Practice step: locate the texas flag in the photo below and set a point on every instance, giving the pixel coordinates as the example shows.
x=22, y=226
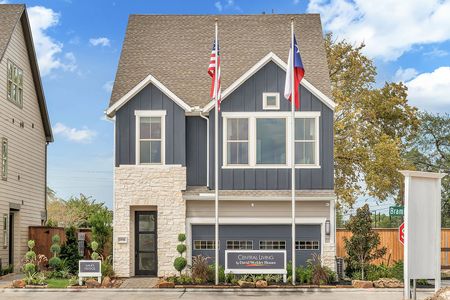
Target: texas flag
x=298, y=74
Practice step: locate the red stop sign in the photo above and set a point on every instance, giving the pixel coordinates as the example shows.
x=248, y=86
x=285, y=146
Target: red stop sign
x=401, y=233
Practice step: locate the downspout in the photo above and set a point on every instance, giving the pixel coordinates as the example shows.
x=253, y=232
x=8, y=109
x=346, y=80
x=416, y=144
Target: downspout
x=45, y=184
x=207, y=148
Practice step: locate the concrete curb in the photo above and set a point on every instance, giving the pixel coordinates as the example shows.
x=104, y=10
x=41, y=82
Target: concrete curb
x=216, y=290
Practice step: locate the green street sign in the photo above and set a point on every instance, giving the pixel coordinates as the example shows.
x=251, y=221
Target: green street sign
x=396, y=211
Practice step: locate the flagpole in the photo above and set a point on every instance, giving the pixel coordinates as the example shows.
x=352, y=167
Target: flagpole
x=293, y=148
x=216, y=159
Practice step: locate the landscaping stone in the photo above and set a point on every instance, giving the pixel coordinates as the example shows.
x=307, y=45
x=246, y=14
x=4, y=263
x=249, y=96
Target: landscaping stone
x=442, y=294
x=166, y=284
x=18, y=284
x=106, y=282
x=388, y=283
x=92, y=283
x=246, y=284
x=261, y=284
x=362, y=284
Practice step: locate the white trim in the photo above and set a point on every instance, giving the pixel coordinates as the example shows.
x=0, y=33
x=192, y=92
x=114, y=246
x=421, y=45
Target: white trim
x=271, y=107
x=270, y=57
x=252, y=118
x=151, y=113
x=210, y=196
x=408, y=173
x=149, y=79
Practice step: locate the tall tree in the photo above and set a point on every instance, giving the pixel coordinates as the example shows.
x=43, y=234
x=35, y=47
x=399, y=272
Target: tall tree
x=430, y=151
x=373, y=126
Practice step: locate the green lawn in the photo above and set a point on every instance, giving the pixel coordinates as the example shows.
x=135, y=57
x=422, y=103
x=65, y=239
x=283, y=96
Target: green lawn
x=58, y=283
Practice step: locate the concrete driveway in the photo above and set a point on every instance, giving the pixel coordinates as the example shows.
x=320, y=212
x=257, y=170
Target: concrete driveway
x=340, y=294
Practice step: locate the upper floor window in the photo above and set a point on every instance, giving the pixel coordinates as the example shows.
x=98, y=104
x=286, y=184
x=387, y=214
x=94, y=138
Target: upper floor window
x=14, y=84
x=150, y=137
x=237, y=141
x=4, y=159
x=262, y=139
x=271, y=101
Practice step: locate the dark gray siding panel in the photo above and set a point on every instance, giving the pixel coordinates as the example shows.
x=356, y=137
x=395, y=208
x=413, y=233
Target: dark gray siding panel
x=248, y=98
x=257, y=233
x=150, y=98
x=196, y=151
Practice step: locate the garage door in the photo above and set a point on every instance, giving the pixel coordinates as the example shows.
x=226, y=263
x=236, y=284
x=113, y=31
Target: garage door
x=308, y=240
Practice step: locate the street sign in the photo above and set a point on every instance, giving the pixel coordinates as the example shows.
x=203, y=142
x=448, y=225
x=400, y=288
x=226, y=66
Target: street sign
x=396, y=211
x=401, y=233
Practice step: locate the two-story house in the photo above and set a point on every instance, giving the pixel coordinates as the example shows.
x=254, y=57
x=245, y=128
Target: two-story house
x=164, y=141
x=25, y=132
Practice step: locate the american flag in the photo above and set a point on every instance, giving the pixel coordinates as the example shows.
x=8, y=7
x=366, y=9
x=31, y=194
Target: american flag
x=212, y=72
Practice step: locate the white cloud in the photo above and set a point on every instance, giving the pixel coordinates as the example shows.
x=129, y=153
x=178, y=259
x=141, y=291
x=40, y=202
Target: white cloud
x=84, y=135
x=389, y=28
x=405, y=74
x=48, y=50
x=431, y=91
x=108, y=86
x=218, y=5
x=101, y=41
x=436, y=52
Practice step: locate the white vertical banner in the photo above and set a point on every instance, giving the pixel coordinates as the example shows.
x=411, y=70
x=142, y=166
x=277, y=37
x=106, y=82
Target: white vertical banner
x=422, y=233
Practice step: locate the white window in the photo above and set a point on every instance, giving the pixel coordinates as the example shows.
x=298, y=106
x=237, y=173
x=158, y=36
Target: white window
x=15, y=84
x=150, y=137
x=237, y=141
x=272, y=245
x=307, y=245
x=4, y=159
x=262, y=139
x=204, y=245
x=240, y=245
x=5, y=230
x=271, y=101
x=306, y=141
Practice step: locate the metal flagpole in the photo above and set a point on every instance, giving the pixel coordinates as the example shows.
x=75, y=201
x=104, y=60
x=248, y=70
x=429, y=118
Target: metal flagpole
x=216, y=158
x=293, y=148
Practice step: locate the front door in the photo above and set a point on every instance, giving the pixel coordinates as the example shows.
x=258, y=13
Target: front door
x=11, y=239
x=145, y=243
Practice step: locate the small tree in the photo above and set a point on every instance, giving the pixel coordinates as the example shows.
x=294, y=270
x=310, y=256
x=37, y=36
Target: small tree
x=180, y=262
x=94, y=247
x=29, y=267
x=55, y=261
x=69, y=251
x=362, y=246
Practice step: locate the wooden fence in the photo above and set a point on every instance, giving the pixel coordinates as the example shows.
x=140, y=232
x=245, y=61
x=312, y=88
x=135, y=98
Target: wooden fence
x=42, y=236
x=389, y=239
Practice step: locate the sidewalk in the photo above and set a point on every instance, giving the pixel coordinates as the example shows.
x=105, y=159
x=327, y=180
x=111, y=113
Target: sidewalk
x=6, y=281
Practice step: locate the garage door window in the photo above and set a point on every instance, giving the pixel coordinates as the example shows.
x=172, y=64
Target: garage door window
x=204, y=245
x=272, y=245
x=307, y=245
x=240, y=245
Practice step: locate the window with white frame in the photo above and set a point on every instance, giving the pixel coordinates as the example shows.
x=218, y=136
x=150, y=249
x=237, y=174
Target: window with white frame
x=272, y=245
x=271, y=101
x=306, y=141
x=4, y=159
x=14, y=84
x=240, y=245
x=150, y=133
x=262, y=139
x=237, y=141
x=307, y=245
x=204, y=245
x=5, y=230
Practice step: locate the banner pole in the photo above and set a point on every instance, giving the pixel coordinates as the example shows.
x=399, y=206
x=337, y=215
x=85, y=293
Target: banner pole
x=293, y=150
x=216, y=159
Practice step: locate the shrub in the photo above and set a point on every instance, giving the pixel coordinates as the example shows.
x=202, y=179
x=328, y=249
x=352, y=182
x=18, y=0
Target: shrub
x=107, y=267
x=181, y=248
x=180, y=262
x=55, y=262
x=319, y=274
x=212, y=273
x=94, y=247
x=101, y=224
x=200, y=268
x=69, y=251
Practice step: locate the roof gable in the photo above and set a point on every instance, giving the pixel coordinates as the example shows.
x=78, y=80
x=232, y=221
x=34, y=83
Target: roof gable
x=176, y=50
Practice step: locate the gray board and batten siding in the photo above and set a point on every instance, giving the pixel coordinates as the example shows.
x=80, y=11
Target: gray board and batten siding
x=151, y=98
x=248, y=98
x=196, y=150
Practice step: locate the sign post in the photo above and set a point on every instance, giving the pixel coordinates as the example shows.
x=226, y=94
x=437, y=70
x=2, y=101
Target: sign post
x=422, y=228
x=89, y=268
x=256, y=262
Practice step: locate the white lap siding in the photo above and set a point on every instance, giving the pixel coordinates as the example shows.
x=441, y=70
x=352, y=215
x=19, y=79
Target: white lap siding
x=26, y=155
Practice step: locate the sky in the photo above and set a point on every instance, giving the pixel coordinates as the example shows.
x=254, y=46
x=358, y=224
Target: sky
x=78, y=44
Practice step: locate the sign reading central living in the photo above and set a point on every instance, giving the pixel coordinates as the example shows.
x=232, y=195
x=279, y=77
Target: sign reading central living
x=255, y=260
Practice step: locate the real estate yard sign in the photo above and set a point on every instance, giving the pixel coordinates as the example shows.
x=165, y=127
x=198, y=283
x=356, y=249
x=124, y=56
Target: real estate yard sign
x=422, y=229
x=256, y=262
x=89, y=268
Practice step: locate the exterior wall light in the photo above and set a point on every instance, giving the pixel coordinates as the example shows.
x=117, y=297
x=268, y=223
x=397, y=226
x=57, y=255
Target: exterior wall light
x=327, y=227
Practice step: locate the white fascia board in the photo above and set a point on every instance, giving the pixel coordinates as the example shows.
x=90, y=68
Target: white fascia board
x=408, y=173
x=149, y=79
x=271, y=57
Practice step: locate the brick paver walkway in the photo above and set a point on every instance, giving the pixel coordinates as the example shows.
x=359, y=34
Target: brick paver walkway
x=139, y=283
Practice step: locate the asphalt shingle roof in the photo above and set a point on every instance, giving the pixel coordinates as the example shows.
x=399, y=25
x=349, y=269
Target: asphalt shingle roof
x=9, y=16
x=175, y=49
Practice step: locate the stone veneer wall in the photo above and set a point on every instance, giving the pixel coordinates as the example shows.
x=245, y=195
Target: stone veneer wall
x=159, y=186
x=329, y=256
